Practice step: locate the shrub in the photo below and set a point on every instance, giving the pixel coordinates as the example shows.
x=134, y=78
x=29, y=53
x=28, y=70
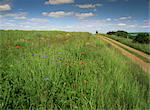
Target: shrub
x=111, y=33
x=122, y=34
x=142, y=38
x=132, y=35
x=119, y=33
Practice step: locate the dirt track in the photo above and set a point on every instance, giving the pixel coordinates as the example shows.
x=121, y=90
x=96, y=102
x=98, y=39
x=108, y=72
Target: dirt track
x=145, y=66
x=131, y=49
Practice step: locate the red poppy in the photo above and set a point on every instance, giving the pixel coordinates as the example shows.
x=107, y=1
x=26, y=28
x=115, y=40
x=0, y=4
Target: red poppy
x=82, y=53
x=82, y=63
x=18, y=47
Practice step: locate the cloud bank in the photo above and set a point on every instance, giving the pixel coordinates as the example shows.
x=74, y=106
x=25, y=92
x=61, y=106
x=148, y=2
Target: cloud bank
x=89, y=6
x=59, y=14
x=56, y=2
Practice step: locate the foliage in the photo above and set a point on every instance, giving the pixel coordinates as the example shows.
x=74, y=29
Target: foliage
x=142, y=38
x=111, y=33
x=142, y=47
x=119, y=33
x=122, y=34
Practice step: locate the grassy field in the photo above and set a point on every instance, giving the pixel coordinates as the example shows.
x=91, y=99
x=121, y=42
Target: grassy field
x=142, y=47
x=67, y=71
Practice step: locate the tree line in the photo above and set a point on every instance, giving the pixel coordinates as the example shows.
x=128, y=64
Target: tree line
x=137, y=37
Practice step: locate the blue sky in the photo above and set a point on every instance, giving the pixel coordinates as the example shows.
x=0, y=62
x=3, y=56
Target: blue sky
x=75, y=15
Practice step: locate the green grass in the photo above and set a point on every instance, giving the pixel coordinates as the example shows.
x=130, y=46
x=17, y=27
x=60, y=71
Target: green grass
x=68, y=71
x=142, y=47
x=141, y=57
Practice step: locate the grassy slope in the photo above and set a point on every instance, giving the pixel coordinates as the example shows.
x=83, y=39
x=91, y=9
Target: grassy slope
x=57, y=70
x=142, y=47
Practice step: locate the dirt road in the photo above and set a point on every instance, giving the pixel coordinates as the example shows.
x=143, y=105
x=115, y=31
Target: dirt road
x=145, y=66
x=130, y=49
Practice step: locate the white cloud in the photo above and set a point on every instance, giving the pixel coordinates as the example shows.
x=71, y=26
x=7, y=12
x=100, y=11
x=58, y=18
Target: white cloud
x=5, y=7
x=146, y=26
x=38, y=20
x=125, y=18
x=18, y=16
x=55, y=2
x=21, y=17
x=121, y=24
x=108, y=19
x=57, y=14
x=84, y=15
x=89, y=6
x=60, y=14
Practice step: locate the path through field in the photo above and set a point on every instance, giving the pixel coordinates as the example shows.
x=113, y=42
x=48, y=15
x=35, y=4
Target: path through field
x=144, y=65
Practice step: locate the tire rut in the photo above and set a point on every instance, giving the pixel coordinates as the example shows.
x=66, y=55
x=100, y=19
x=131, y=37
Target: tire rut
x=144, y=65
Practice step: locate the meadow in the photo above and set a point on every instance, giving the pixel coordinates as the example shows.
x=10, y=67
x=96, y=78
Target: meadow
x=55, y=70
x=129, y=42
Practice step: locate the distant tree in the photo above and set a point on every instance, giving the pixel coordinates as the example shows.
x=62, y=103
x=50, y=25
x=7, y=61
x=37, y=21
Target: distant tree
x=96, y=32
x=142, y=38
x=111, y=33
x=132, y=35
x=122, y=34
x=119, y=33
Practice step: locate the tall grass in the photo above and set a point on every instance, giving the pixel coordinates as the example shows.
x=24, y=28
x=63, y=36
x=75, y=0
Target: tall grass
x=142, y=47
x=75, y=71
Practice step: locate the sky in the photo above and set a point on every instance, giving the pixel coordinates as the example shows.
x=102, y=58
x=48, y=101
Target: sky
x=75, y=15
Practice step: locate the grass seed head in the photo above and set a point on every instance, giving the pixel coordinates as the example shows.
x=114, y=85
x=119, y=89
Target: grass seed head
x=18, y=47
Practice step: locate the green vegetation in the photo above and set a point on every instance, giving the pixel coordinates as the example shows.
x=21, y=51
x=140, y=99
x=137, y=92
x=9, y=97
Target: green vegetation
x=142, y=47
x=60, y=70
x=142, y=38
x=123, y=34
x=134, y=53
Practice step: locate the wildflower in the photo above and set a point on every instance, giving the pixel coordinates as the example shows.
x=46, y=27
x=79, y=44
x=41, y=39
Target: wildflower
x=60, y=59
x=34, y=55
x=46, y=78
x=18, y=47
x=45, y=57
x=82, y=63
x=82, y=53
